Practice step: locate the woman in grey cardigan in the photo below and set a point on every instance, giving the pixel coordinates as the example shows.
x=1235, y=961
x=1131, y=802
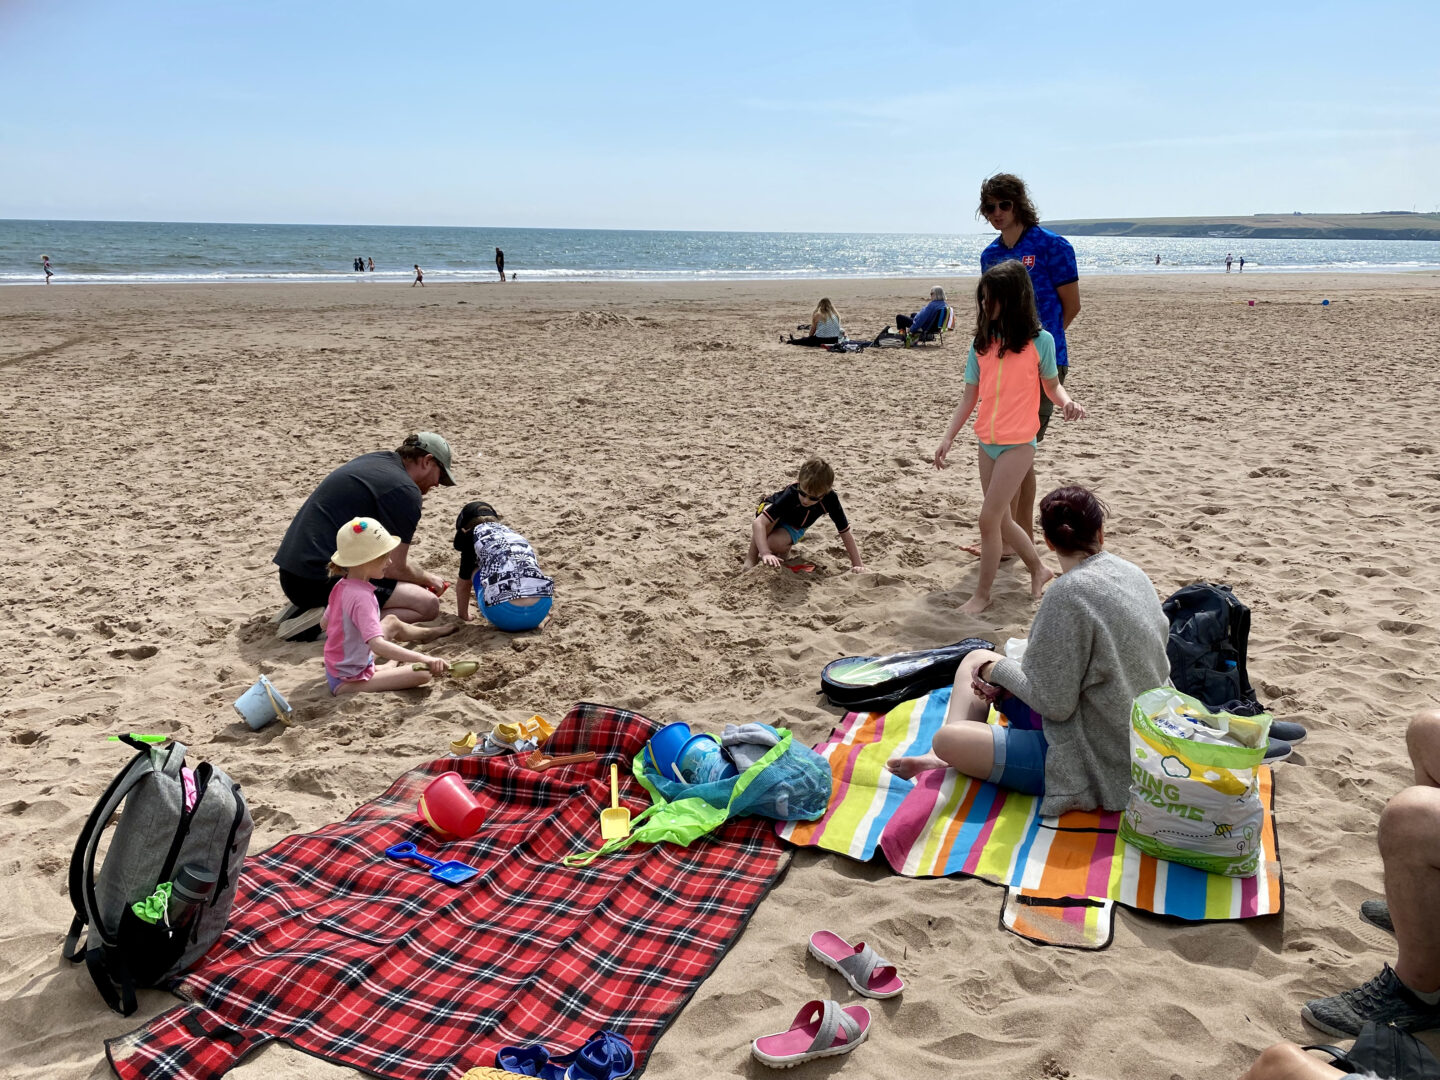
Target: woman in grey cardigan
x=1097, y=642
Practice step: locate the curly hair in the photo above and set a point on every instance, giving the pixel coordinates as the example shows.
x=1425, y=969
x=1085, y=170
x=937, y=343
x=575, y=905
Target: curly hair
x=1008, y=186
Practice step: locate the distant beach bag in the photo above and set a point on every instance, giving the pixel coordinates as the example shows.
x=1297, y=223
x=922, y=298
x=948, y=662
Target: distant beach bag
x=790, y=782
x=1194, y=791
x=167, y=883
x=1209, y=637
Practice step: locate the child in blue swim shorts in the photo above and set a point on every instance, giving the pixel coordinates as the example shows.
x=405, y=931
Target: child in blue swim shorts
x=499, y=567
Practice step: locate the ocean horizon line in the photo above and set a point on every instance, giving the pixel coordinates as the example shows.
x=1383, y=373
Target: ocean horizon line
x=108, y=252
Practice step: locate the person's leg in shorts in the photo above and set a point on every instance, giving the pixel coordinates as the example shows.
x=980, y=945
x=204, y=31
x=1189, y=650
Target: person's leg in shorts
x=1022, y=507
x=780, y=539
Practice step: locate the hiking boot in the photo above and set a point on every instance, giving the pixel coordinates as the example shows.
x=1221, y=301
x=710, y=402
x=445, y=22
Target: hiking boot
x=1384, y=999
x=302, y=627
x=1377, y=913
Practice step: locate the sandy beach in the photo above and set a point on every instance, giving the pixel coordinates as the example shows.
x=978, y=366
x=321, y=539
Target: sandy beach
x=157, y=440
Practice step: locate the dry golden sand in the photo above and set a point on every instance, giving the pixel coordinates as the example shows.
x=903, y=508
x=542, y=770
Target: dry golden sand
x=157, y=440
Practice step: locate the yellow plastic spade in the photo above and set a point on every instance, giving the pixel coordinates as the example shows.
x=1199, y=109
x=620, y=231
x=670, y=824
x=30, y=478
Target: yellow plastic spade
x=458, y=670
x=614, y=822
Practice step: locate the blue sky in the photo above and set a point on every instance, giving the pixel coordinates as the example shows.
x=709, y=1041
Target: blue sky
x=836, y=116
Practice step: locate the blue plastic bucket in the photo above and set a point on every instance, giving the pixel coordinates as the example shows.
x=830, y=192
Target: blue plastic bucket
x=663, y=749
x=701, y=761
x=262, y=705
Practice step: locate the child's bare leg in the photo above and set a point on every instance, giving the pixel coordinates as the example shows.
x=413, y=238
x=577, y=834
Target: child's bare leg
x=1006, y=552
x=388, y=676
x=1030, y=555
x=777, y=540
x=1000, y=478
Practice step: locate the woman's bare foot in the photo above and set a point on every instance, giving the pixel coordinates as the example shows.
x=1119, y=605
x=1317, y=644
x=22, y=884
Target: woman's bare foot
x=975, y=605
x=1039, y=580
x=421, y=634
x=907, y=767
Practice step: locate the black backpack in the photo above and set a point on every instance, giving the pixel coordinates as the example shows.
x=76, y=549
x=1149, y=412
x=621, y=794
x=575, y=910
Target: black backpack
x=185, y=829
x=1209, y=633
x=879, y=683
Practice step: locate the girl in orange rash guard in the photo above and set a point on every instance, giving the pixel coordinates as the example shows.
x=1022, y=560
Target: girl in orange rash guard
x=1010, y=360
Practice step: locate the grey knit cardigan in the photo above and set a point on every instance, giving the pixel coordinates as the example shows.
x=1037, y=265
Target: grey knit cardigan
x=1097, y=642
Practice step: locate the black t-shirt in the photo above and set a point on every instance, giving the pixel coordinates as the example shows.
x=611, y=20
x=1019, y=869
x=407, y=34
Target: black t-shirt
x=372, y=485
x=785, y=508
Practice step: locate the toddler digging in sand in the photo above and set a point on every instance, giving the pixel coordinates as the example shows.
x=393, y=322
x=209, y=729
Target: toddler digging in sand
x=354, y=631
x=499, y=566
x=781, y=520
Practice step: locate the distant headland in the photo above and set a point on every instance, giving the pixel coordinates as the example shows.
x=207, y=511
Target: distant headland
x=1390, y=225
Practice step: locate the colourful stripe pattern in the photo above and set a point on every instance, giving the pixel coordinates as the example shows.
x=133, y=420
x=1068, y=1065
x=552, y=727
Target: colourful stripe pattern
x=943, y=823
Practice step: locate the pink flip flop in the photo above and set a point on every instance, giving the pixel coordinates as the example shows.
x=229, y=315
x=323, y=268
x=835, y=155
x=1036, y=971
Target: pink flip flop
x=864, y=969
x=821, y=1029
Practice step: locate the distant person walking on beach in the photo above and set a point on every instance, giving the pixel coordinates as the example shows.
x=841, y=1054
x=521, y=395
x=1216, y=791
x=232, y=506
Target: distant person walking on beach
x=419, y=277
x=500, y=263
x=45, y=265
x=1242, y=264
x=1006, y=205
x=1227, y=262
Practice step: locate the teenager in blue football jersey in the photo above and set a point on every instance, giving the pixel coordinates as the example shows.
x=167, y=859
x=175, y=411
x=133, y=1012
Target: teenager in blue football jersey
x=1006, y=205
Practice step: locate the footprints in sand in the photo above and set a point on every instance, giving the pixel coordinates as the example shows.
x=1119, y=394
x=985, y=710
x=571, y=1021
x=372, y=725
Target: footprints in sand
x=135, y=652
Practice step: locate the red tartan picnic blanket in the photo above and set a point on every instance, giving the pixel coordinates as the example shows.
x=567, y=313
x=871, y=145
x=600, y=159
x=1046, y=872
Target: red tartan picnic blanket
x=374, y=964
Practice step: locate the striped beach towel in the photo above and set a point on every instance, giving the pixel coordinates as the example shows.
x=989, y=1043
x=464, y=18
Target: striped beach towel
x=1062, y=874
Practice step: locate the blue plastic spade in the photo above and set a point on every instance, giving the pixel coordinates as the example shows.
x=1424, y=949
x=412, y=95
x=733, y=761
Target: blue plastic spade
x=452, y=872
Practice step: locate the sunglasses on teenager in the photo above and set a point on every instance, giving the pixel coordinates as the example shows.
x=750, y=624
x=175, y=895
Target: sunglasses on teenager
x=989, y=208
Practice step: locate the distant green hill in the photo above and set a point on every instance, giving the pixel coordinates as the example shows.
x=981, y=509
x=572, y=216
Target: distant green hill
x=1397, y=225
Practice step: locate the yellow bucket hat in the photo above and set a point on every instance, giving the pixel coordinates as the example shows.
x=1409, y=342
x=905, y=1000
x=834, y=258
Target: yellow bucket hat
x=360, y=540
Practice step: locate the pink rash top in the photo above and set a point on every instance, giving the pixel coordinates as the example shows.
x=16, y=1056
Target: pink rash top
x=352, y=619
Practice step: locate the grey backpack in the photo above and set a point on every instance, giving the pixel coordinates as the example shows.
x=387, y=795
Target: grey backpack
x=164, y=891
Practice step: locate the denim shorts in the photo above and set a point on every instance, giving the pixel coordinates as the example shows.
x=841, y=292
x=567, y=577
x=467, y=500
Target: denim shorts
x=1019, y=752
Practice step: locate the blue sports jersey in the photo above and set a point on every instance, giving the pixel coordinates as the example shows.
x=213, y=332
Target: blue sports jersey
x=1051, y=262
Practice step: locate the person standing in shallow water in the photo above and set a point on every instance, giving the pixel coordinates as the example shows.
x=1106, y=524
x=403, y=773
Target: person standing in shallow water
x=500, y=263
x=1050, y=260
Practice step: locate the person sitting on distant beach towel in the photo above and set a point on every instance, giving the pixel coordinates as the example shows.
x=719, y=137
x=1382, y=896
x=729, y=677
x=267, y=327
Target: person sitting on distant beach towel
x=1097, y=641
x=500, y=567
x=825, y=328
x=781, y=520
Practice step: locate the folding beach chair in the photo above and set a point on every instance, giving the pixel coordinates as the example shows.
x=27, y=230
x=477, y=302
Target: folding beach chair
x=937, y=335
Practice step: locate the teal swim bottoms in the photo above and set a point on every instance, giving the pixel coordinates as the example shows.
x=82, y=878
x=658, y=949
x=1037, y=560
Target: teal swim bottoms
x=996, y=449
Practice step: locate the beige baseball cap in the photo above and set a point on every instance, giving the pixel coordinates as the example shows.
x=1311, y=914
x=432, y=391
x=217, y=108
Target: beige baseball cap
x=439, y=449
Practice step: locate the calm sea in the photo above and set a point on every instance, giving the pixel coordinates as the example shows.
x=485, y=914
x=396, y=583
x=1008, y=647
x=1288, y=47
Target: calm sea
x=164, y=252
